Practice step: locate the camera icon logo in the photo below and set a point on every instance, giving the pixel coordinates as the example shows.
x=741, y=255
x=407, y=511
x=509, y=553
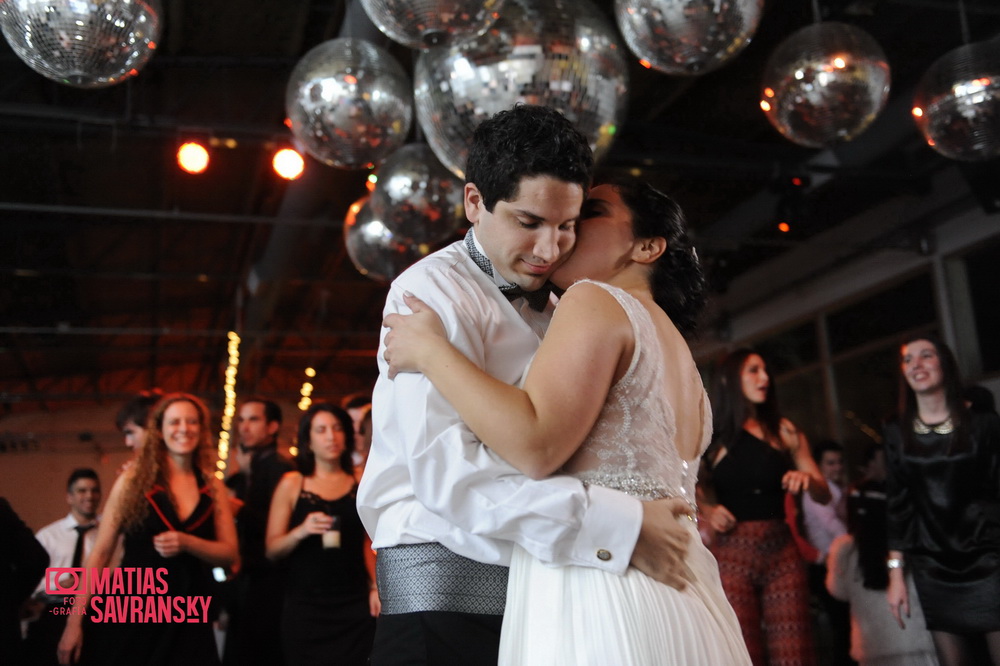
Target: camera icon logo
x=65, y=580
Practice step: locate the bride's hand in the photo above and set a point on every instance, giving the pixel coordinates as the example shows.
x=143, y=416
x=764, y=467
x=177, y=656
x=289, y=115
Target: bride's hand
x=412, y=339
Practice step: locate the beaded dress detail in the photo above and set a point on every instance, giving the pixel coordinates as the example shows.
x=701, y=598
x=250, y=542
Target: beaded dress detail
x=632, y=446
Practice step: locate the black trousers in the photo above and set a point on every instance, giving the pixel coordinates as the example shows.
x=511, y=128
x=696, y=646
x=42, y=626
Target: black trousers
x=437, y=638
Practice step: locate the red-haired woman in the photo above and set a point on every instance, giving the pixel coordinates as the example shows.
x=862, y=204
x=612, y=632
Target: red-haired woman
x=172, y=514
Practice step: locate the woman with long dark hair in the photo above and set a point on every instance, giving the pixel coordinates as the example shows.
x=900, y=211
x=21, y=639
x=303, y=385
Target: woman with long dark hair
x=173, y=514
x=614, y=399
x=755, y=458
x=944, y=506
x=330, y=596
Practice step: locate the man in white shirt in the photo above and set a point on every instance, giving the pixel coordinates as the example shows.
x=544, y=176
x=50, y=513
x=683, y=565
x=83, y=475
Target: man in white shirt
x=443, y=511
x=823, y=525
x=68, y=541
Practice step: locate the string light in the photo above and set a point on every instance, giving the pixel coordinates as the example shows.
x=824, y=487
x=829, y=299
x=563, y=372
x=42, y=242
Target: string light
x=306, y=390
x=229, y=409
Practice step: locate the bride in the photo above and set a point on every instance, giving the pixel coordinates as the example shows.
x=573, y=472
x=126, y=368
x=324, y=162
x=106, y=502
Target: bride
x=613, y=398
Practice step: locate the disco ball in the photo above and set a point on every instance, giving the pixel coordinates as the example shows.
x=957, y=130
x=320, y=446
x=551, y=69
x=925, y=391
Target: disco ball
x=687, y=37
x=957, y=103
x=350, y=103
x=375, y=251
x=82, y=43
x=421, y=24
x=416, y=197
x=825, y=84
x=557, y=53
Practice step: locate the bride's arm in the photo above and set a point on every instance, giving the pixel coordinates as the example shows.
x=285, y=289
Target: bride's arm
x=538, y=428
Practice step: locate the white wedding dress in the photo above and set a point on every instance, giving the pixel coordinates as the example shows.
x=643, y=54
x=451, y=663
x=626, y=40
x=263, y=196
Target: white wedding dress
x=577, y=616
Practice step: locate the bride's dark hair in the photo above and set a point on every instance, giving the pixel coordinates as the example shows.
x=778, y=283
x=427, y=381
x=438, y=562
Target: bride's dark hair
x=677, y=281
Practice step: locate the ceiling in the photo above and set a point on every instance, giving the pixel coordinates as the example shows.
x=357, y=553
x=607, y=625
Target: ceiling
x=118, y=272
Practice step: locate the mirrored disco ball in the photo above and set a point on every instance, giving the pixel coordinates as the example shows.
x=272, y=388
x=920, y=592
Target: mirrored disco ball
x=83, y=43
x=957, y=103
x=421, y=24
x=558, y=53
x=375, y=251
x=825, y=84
x=350, y=103
x=687, y=37
x=416, y=197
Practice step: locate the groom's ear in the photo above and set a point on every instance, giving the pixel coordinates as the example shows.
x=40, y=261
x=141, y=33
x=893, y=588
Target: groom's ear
x=473, y=201
x=648, y=250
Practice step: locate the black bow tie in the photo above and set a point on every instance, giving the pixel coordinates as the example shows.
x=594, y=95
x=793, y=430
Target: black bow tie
x=537, y=300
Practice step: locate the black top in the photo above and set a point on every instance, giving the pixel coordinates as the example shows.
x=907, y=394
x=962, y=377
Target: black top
x=315, y=572
x=943, y=496
x=186, y=574
x=747, y=480
x=266, y=469
x=190, y=643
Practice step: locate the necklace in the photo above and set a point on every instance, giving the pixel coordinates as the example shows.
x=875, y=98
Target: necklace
x=921, y=428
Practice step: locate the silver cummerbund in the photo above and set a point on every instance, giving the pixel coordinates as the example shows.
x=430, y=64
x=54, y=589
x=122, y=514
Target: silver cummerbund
x=429, y=577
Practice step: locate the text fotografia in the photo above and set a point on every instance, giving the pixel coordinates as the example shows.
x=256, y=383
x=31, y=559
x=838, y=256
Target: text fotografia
x=125, y=594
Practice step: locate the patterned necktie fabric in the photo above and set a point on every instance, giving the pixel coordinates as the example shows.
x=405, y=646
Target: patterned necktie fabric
x=536, y=299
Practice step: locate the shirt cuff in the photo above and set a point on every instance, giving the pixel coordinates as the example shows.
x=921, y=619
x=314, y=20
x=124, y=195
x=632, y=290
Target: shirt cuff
x=609, y=531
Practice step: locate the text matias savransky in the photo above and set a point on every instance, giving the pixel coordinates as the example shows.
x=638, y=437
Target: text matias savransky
x=124, y=594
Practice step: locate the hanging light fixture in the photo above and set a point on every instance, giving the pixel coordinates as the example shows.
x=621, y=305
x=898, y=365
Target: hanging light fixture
x=421, y=24
x=825, y=84
x=687, y=37
x=350, y=103
x=83, y=44
x=957, y=103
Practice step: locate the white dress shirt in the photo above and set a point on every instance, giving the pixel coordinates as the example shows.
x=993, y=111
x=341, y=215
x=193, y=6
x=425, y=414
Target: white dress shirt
x=821, y=521
x=59, y=540
x=428, y=479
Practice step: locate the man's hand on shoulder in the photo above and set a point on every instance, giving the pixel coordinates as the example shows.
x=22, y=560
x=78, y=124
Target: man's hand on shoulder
x=662, y=548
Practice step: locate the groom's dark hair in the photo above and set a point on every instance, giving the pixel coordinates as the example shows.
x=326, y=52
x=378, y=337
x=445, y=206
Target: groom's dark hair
x=526, y=141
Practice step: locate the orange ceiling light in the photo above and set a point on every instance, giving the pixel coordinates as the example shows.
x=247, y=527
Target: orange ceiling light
x=288, y=163
x=192, y=157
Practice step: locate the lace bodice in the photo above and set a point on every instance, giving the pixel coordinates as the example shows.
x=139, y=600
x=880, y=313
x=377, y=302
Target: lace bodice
x=632, y=446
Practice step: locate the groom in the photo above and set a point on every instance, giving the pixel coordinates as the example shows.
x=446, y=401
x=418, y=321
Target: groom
x=443, y=511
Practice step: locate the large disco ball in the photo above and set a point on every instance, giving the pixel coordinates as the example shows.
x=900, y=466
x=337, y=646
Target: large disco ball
x=687, y=37
x=83, y=43
x=421, y=24
x=825, y=84
x=558, y=53
x=375, y=251
x=957, y=103
x=350, y=103
x=416, y=197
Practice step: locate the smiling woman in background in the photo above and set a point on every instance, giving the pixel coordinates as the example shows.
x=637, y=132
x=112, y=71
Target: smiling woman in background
x=165, y=506
x=944, y=507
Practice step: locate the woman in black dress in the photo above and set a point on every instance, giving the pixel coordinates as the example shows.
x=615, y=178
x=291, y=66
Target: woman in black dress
x=944, y=507
x=330, y=596
x=173, y=515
